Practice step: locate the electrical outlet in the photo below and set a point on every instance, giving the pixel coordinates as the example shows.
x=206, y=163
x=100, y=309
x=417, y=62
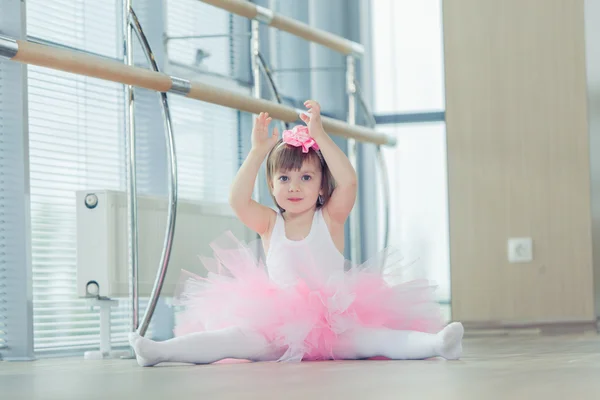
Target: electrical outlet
x=520, y=250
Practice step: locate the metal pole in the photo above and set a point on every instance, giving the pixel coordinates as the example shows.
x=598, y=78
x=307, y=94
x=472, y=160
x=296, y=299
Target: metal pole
x=354, y=220
x=131, y=166
x=265, y=68
x=254, y=57
x=382, y=167
x=255, y=50
x=179, y=87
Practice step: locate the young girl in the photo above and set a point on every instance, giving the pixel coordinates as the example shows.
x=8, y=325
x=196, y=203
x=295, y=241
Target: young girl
x=307, y=303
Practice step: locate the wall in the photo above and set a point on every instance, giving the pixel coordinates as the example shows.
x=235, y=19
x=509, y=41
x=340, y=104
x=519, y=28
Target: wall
x=592, y=40
x=518, y=160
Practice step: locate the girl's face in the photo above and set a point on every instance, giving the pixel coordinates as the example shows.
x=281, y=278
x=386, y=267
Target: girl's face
x=298, y=191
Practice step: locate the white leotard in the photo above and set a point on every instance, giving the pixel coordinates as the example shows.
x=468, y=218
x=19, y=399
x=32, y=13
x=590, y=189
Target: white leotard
x=289, y=259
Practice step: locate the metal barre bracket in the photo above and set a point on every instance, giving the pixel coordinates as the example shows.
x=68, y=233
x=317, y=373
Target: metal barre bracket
x=8, y=47
x=264, y=15
x=180, y=86
x=358, y=50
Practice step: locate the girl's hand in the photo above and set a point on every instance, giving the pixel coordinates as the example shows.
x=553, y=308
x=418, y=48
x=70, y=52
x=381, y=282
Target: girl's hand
x=315, y=126
x=260, y=134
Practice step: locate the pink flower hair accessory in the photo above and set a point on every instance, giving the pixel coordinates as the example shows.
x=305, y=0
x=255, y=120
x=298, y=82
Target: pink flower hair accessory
x=300, y=137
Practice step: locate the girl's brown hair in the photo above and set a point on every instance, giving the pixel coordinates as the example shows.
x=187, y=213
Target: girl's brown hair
x=284, y=157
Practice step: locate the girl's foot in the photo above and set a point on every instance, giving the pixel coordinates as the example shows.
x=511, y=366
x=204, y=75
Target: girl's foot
x=146, y=351
x=450, y=346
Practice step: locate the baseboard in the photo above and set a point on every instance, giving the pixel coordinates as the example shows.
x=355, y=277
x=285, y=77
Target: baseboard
x=550, y=328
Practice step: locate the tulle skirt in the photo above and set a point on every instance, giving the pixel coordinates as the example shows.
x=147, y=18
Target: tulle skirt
x=308, y=317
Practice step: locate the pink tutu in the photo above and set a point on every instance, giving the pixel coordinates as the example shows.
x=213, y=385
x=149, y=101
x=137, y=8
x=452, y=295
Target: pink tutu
x=307, y=317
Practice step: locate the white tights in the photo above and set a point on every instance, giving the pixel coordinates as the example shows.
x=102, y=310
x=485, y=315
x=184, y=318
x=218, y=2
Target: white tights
x=209, y=347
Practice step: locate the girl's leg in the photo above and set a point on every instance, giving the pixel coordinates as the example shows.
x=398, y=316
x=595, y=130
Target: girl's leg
x=203, y=347
x=402, y=345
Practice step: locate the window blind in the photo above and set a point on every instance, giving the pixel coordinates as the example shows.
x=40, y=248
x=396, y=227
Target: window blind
x=76, y=142
x=85, y=25
x=290, y=56
x=3, y=229
x=207, y=149
x=206, y=135
x=194, y=18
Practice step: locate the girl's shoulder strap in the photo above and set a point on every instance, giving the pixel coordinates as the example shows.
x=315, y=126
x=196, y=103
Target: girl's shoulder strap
x=319, y=223
x=278, y=227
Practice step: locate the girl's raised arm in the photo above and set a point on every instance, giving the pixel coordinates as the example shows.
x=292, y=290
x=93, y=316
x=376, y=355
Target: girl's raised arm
x=255, y=216
x=342, y=200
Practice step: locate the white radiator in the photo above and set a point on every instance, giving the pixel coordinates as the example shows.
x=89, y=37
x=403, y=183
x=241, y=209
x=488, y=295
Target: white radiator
x=102, y=245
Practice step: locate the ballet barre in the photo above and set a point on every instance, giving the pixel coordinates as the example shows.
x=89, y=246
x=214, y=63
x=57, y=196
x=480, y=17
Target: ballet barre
x=26, y=52
x=252, y=11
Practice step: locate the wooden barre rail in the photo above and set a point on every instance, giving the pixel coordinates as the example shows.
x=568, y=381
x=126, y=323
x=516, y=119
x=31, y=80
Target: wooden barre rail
x=252, y=11
x=112, y=70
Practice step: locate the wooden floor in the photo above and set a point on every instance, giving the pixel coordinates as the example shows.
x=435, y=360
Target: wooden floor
x=509, y=367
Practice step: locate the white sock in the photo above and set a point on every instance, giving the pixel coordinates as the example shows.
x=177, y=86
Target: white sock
x=451, y=341
x=403, y=345
x=202, y=347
